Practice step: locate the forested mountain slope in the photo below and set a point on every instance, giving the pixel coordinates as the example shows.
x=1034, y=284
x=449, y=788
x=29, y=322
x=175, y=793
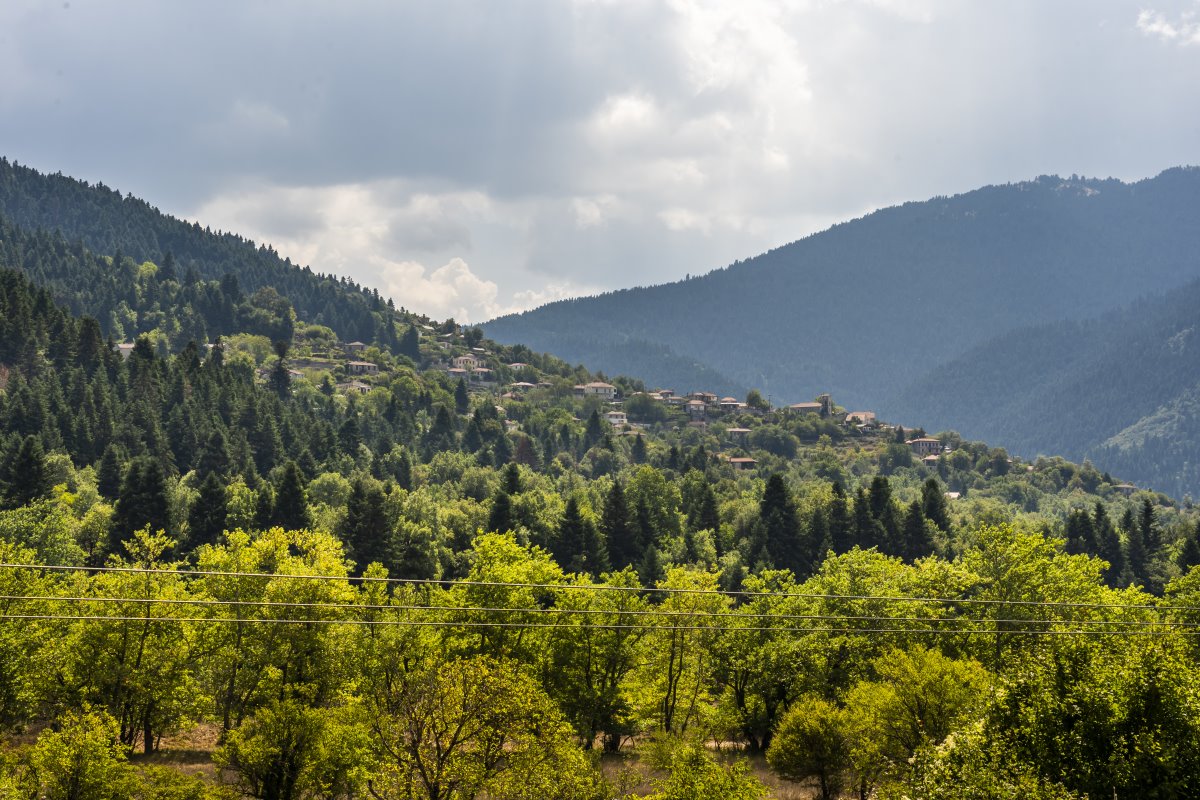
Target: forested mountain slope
x=861, y=308
x=107, y=223
x=1122, y=389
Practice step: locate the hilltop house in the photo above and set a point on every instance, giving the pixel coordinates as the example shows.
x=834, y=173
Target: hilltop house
x=616, y=418
x=925, y=446
x=362, y=368
x=353, y=347
x=864, y=418
x=605, y=391
x=467, y=362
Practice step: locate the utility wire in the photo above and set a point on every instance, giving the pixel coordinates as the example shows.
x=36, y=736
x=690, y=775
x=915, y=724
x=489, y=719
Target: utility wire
x=526, y=625
x=607, y=587
x=646, y=612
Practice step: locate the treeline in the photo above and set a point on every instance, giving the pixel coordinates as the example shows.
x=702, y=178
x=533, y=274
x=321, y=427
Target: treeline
x=1026, y=676
x=1119, y=389
x=99, y=219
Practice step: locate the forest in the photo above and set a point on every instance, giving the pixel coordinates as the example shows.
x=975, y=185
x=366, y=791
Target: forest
x=231, y=567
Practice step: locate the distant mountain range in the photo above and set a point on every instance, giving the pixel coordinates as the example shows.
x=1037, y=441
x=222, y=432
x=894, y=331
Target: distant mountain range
x=952, y=312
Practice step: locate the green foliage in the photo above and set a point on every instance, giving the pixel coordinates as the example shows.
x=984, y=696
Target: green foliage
x=813, y=741
x=694, y=774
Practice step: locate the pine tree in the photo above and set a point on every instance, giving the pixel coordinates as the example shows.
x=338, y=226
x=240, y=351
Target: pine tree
x=639, y=450
x=1189, y=555
x=410, y=344
x=512, y=479
x=462, y=400
x=841, y=524
x=1108, y=544
x=207, y=517
x=365, y=529
x=933, y=505
x=1148, y=522
x=780, y=527
x=917, y=541
x=500, y=517
x=619, y=531
x=23, y=476
x=280, y=381
x=108, y=474
x=291, y=507
x=142, y=501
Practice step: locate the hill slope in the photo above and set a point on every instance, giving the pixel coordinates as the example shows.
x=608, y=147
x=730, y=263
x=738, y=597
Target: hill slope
x=862, y=307
x=1122, y=389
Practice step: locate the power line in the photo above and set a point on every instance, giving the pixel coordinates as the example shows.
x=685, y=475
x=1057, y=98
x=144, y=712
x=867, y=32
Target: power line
x=645, y=612
x=608, y=587
x=708, y=628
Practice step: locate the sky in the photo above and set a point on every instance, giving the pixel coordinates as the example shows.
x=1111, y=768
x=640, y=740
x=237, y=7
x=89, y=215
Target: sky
x=473, y=159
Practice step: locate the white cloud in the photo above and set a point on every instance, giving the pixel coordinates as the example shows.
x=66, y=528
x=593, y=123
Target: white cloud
x=1183, y=31
x=571, y=146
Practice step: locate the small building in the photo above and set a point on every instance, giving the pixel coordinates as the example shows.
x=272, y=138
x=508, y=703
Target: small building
x=466, y=362
x=362, y=368
x=741, y=464
x=806, y=408
x=605, y=391
x=353, y=347
x=125, y=349
x=518, y=365
x=457, y=372
x=1126, y=489
x=863, y=418
x=739, y=435
x=930, y=460
x=522, y=386
x=481, y=375
x=708, y=398
x=925, y=446
x=616, y=418
x=730, y=404
x=695, y=408
x=354, y=386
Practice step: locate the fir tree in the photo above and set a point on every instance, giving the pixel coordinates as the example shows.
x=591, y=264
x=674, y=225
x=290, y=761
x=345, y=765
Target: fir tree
x=619, y=531
x=291, y=507
x=780, y=528
x=365, y=529
x=500, y=517
x=23, y=476
x=207, y=517
x=841, y=524
x=108, y=474
x=142, y=501
x=917, y=541
x=933, y=505
x=462, y=401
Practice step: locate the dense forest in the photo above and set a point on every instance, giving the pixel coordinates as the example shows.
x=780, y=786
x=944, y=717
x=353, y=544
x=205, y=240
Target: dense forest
x=246, y=556
x=1120, y=389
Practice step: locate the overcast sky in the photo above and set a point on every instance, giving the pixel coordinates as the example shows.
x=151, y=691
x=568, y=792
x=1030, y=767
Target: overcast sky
x=474, y=158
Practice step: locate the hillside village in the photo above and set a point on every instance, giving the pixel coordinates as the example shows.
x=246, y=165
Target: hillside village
x=740, y=432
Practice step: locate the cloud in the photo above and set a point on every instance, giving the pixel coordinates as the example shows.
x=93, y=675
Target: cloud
x=1184, y=31
x=558, y=146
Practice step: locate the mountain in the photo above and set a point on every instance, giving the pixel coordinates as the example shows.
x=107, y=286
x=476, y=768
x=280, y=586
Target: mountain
x=103, y=221
x=1122, y=389
x=862, y=308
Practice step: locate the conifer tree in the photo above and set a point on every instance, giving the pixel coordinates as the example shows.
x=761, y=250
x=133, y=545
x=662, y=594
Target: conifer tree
x=142, y=501
x=841, y=524
x=462, y=400
x=780, y=528
x=933, y=505
x=365, y=529
x=108, y=474
x=500, y=517
x=619, y=530
x=1108, y=544
x=291, y=506
x=23, y=476
x=917, y=541
x=207, y=517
